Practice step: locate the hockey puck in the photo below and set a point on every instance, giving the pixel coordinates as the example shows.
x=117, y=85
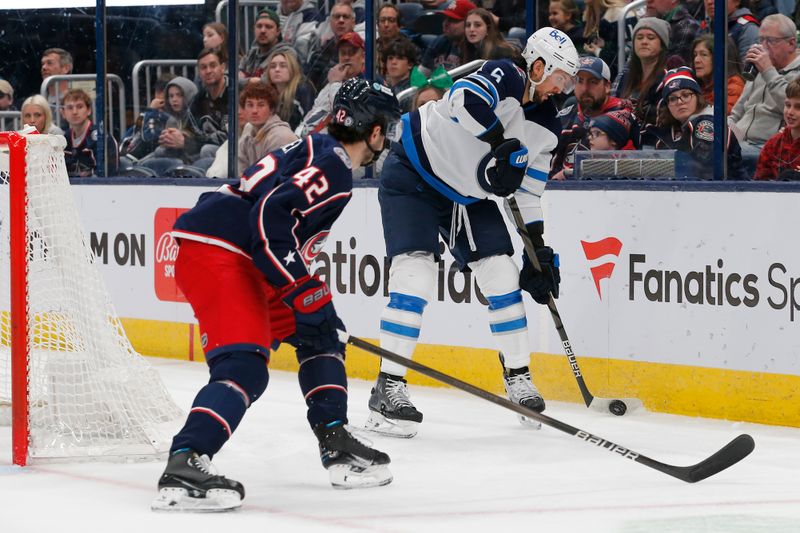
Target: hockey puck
x=617, y=407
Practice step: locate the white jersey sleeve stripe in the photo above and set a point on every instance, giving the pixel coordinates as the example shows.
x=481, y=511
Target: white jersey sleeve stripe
x=488, y=85
x=469, y=85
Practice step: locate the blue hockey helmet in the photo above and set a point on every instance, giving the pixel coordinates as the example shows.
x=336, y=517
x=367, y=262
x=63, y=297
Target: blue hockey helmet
x=361, y=104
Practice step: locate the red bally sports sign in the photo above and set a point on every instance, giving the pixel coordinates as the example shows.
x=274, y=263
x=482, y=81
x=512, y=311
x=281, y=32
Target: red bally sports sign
x=165, y=253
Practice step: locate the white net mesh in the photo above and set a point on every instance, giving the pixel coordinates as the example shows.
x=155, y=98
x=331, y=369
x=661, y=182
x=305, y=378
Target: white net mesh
x=91, y=394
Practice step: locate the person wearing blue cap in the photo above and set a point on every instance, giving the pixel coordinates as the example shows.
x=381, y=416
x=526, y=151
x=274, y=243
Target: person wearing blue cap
x=592, y=99
x=686, y=123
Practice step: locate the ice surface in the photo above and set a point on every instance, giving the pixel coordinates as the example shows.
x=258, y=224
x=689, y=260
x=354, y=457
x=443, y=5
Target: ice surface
x=471, y=468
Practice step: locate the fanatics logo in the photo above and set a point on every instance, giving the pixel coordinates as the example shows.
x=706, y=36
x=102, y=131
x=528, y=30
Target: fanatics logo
x=596, y=250
x=165, y=253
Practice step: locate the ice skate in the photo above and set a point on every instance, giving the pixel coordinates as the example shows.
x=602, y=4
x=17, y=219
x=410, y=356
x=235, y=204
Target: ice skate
x=191, y=483
x=391, y=412
x=350, y=462
x=520, y=389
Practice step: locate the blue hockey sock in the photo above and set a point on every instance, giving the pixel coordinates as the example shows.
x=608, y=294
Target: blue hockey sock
x=237, y=379
x=324, y=385
x=215, y=414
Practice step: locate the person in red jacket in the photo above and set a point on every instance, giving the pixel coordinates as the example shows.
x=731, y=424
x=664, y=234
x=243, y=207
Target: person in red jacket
x=780, y=158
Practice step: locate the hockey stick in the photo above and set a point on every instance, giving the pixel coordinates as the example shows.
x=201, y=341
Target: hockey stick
x=729, y=455
x=617, y=406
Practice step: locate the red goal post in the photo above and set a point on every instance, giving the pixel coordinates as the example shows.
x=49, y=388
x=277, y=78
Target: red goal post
x=75, y=387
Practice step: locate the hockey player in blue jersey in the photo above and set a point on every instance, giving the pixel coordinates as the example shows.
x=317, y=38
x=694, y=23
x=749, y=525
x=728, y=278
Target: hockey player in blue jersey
x=243, y=265
x=491, y=135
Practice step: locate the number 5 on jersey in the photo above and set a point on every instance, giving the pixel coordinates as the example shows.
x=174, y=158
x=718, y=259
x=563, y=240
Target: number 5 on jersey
x=312, y=182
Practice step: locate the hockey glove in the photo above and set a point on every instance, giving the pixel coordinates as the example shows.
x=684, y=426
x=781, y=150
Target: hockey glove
x=316, y=322
x=540, y=285
x=511, y=162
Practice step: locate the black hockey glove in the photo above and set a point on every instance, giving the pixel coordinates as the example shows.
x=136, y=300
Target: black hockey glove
x=540, y=285
x=511, y=161
x=316, y=322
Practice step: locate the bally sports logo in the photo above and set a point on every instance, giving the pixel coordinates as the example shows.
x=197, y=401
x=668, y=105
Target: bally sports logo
x=165, y=253
x=597, y=253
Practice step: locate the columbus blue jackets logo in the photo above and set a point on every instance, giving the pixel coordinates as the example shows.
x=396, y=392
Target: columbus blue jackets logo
x=705, y=130
x=313, y=247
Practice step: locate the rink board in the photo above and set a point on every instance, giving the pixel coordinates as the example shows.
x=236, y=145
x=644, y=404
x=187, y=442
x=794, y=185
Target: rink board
x=687, y=300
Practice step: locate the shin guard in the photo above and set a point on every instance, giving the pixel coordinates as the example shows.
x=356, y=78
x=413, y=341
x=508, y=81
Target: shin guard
x=323, y=382
x=498, y=278
x=237, y=380
x=411, y=283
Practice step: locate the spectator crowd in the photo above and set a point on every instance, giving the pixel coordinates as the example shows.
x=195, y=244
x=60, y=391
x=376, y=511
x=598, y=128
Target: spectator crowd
x=655, y=94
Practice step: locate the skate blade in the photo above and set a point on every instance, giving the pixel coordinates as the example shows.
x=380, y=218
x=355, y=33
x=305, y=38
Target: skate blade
x=343, y=477
x=178, y=499
x=529, y=422
x=390, y=427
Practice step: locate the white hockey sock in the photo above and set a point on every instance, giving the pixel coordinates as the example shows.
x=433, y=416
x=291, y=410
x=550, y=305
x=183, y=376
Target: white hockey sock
x=400, y=324
x=509, y=327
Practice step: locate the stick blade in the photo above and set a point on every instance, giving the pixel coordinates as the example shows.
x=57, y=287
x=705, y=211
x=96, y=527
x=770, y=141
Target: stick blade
x=729, y=455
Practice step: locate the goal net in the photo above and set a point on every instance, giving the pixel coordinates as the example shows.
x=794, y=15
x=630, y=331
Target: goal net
x=80, y=390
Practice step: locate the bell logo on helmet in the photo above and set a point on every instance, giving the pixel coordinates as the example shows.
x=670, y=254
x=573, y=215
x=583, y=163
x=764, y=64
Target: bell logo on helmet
x=558, y=36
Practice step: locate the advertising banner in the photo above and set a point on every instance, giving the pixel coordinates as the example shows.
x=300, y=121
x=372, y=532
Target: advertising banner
x=690, y=278
x=694, y=278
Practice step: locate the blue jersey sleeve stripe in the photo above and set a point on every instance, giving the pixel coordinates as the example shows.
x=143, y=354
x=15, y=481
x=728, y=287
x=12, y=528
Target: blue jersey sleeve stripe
x=511, y=325
x=406, y=302
x=536, y=174
x=489, y=85
x=504, y=300
x=471, y=86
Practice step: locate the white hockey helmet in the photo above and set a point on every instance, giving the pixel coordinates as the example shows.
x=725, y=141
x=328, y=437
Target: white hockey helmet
x=553, y=47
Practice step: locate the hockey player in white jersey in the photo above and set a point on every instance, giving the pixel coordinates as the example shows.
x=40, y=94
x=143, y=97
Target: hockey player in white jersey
x=492, y=134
